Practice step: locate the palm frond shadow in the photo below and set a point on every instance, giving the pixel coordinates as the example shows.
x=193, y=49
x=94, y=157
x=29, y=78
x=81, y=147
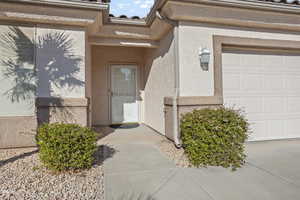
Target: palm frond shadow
x=57, y=67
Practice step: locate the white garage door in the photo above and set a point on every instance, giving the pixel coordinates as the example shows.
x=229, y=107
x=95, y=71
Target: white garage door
x=267, y=87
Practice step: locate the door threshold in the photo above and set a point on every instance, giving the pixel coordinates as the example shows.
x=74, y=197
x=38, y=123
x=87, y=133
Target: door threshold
x=125, y=125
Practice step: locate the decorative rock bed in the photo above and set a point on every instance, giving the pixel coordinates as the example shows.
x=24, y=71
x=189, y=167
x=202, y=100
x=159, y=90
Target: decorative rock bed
x=23, y=177
x=176, y=155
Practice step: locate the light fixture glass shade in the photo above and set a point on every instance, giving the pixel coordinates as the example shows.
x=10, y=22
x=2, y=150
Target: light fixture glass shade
x=204, y=55
x=205, y=58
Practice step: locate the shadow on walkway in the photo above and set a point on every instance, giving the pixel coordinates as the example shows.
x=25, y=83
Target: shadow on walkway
x=135, y=197
x=103, y=153
x=104, y=131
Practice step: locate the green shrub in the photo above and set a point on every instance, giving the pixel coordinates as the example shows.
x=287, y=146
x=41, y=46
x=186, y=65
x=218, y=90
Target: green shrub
x=215, y=137
x=66, y=146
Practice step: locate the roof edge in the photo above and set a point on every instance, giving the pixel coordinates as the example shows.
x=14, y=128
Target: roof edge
x=158, y=4
x=253, y=4
x=64, y=3
x=145, y=22
x=127, y=21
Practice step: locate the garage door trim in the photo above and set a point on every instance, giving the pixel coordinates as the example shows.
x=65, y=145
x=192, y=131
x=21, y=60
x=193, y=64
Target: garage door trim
x=221, y=42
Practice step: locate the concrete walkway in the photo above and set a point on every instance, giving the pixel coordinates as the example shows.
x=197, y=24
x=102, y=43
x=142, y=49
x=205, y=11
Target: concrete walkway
x=136, y=168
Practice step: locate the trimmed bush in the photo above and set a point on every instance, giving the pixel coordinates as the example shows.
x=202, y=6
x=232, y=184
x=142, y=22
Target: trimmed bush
x=215, y=137
x=66, y=146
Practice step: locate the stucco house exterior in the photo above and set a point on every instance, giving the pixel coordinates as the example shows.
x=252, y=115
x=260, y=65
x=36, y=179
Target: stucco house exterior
x=70, y=61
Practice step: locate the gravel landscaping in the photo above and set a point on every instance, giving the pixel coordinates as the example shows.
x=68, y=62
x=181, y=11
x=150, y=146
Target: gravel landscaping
x=176, y=155
x=23, y=177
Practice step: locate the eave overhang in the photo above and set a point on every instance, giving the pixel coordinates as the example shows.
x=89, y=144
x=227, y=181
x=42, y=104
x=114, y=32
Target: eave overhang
x=105, y=30
x=101, y=29
x=248, y=13
x=74, y=13
x=63, y=3
x=139, y=35
x=247, y=4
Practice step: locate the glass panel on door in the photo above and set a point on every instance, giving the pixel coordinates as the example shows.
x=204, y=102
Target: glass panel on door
x=124, y=106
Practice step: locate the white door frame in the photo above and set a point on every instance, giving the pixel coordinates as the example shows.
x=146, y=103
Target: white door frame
x=138, y=86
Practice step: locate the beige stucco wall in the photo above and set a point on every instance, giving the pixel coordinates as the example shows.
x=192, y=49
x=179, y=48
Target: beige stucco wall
x=193, y=80
x=102, y=58
x=60, y=65
x=159, y=81
x=17, y=131
x=16, y=70
x=38, y=61
x=17, y=110
x=60, y=62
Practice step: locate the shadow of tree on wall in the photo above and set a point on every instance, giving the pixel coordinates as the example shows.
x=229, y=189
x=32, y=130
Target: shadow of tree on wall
x=19, y=49
x=57, y=66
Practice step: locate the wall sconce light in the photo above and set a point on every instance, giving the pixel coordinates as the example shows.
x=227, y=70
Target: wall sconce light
x=204, y=56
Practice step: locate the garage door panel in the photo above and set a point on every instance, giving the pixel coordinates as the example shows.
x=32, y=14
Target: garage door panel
x=233, y=102
x=252, y=81
x=252, y=104
x=292, y=127
x=270, y=117
x=274, y=61
x=256, y=61
x=293, y=104
x=275, y=128
x=291, y=62
x=274, y=102
x=292, y=83
x=232, y=82
x=257, y=127
x=268, y=91
x=274, y=82
x=236, y=81
x=231, y=60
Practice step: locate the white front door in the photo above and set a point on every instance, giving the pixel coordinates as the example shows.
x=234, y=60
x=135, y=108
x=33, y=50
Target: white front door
x=124, y=104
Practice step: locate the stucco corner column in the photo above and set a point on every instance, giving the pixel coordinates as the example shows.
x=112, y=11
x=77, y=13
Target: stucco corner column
x=185, y=105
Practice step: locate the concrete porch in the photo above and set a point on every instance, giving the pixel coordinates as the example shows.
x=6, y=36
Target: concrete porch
x=137, y=168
